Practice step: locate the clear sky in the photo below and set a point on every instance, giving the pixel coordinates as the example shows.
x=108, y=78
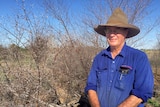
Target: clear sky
x=7, y=8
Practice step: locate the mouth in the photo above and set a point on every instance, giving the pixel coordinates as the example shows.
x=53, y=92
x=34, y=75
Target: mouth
x=111, y=39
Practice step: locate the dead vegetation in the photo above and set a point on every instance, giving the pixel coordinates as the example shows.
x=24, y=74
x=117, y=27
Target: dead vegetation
x=54, y=79
x=44, y=78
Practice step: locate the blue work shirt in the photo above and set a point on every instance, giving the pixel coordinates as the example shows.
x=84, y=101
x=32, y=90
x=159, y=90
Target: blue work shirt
x=111, y=86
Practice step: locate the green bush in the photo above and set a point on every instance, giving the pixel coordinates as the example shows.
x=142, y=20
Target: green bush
x=153, y=102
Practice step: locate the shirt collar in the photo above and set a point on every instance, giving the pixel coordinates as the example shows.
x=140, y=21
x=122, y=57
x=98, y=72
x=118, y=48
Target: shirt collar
x=107, y=52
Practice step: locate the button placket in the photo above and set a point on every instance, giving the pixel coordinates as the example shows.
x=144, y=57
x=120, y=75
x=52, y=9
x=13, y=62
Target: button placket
x=111, y=74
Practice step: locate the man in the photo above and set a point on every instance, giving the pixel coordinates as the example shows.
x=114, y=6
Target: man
x=120, y=76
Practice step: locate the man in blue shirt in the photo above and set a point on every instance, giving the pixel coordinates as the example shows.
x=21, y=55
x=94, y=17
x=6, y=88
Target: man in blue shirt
x=120, y=76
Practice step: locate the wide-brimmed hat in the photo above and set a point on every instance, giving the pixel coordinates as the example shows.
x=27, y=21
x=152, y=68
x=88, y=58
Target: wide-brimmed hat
x=118, y=19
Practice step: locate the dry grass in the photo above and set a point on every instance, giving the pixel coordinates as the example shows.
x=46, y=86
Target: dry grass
x=58, y=76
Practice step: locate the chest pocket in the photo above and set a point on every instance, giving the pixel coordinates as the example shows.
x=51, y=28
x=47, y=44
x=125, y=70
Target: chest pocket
x=102, y=77
x=124, y=81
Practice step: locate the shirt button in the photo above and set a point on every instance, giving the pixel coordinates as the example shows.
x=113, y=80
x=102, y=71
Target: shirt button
x=113, y=62
x=110, y=80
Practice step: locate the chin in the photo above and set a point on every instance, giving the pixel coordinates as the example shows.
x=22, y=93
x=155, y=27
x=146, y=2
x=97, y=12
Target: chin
x=113, y=44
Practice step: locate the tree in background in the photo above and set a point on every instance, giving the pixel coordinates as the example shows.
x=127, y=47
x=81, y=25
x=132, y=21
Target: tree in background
x=138, y=14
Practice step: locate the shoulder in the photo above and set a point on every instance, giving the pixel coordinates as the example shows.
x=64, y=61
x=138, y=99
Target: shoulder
x=135, y=51
x=101, y=53
x=136, y=55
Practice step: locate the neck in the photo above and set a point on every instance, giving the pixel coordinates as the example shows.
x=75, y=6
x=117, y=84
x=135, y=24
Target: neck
x=116, y=50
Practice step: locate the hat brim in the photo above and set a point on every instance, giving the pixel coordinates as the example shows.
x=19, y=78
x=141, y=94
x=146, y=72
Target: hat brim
x=132, y=30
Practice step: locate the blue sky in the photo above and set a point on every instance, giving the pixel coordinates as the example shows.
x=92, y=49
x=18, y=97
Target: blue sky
x=7, y=9
x=152, y=37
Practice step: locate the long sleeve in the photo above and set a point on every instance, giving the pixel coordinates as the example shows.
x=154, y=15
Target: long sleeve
x=143, y=86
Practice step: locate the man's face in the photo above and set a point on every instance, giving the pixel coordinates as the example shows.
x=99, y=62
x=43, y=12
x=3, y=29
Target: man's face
x=116, y=36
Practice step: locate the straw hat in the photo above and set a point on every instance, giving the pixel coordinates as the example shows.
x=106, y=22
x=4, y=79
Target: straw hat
x=118, y=19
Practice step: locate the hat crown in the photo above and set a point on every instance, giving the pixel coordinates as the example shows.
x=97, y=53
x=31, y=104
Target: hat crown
x=118, y=19
x=118, y=16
